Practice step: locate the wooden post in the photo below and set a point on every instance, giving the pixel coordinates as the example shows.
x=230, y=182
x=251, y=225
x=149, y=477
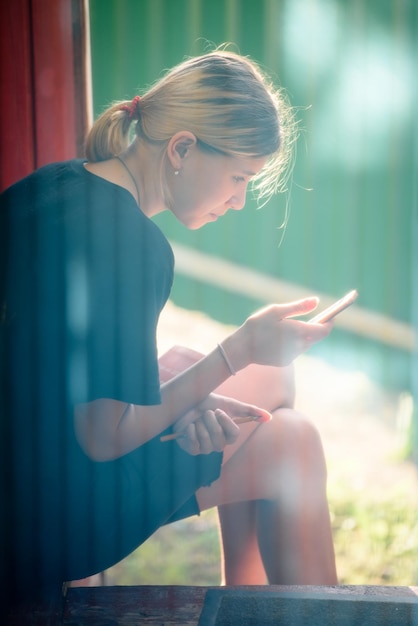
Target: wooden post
x=45, y=104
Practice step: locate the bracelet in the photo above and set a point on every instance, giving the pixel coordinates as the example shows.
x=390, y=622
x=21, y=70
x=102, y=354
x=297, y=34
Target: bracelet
x=226, y=359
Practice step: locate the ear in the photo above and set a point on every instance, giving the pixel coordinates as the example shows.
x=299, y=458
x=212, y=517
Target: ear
x=179, y=147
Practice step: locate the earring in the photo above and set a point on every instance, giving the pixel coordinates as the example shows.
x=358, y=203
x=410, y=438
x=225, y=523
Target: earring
x=176, y=173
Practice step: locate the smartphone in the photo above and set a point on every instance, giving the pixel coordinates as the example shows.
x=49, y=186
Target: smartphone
x=333, y=310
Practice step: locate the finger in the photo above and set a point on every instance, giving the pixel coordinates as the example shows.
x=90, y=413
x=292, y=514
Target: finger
x=214, y=429
x=188, y=418
x=204, y=438
x=189, y=441
x=240, y=409
x=299, y=307
x=261, y=414
x=316, y=332
x=230, y=430
x=326, y=327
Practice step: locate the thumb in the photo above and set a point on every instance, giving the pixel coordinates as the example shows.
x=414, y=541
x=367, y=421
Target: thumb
x=299, y=307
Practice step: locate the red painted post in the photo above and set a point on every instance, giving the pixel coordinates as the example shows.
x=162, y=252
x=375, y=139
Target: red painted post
x=44, y=107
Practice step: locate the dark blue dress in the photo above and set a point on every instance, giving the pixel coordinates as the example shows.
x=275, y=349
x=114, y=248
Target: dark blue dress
x=84, y=276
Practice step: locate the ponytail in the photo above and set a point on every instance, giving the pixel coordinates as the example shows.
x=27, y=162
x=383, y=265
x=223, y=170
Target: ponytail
x=109, y=135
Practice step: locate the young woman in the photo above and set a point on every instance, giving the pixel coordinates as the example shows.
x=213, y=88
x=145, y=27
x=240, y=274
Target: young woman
x=85, y=273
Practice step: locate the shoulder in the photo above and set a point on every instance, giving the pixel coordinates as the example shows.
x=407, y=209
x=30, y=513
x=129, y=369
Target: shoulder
x=48, y=172
x=42, y=185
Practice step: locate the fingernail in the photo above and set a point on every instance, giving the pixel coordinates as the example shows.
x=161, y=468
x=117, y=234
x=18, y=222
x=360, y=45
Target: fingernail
x=263, y=418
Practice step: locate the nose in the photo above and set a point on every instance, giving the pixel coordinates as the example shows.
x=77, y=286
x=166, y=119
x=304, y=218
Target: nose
x=237, y=202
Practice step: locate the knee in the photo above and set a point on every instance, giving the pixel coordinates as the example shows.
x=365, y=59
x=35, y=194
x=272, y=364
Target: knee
x=294, y=426
x=295, y=447
x=303, y=431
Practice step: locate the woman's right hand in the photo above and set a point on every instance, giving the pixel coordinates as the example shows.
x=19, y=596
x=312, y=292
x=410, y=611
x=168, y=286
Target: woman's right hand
x=271, y=337
x=210, y=425
x=210, y=431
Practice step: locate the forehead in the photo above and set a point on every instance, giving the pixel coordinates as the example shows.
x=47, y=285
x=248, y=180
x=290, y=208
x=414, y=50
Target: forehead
x=249, y=166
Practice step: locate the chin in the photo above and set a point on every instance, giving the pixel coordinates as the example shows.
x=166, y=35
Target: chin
x=194, y=224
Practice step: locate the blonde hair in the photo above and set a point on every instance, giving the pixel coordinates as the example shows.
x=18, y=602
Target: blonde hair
x=224, y=99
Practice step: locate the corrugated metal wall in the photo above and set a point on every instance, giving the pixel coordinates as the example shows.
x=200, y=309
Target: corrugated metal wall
x=349, y=67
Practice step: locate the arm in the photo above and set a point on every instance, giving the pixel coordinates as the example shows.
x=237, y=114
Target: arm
x=108, y=429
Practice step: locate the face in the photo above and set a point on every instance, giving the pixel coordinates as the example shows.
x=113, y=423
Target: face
x=208, y=185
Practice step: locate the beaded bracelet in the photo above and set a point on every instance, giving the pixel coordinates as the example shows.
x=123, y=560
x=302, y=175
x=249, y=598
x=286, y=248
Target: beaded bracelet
x=226, y=359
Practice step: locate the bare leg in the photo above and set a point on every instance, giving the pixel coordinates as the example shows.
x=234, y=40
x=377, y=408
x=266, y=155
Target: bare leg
x=241, y=558
x=294, y=529
x=272, y=492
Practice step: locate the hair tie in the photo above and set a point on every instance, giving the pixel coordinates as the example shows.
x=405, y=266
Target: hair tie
x=132, y=109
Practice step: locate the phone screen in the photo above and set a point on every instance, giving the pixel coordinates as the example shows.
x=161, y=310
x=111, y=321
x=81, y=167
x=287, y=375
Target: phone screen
x=333, y=310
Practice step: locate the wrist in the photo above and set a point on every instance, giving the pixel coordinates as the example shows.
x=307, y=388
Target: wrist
x=225, y=357
x=235, y=348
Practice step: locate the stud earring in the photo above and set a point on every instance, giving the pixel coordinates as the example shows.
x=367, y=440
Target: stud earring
x=176, y=173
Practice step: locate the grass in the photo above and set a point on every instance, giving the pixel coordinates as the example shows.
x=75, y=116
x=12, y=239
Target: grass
x=183, y=553
x=376, y=543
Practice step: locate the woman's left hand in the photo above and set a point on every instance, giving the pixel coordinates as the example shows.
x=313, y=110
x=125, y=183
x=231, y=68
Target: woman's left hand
x=210, y=426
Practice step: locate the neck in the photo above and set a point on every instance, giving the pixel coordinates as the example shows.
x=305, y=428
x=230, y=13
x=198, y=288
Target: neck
x=143, y=166
x=131, y=176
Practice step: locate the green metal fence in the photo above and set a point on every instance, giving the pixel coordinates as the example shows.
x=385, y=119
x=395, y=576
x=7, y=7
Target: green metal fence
x=349, y=67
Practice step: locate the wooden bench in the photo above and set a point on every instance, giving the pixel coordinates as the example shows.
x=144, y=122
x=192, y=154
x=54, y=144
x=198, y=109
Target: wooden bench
x=169, y=605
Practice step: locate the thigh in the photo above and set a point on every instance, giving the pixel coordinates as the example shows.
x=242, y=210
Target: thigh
x=270, y=388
